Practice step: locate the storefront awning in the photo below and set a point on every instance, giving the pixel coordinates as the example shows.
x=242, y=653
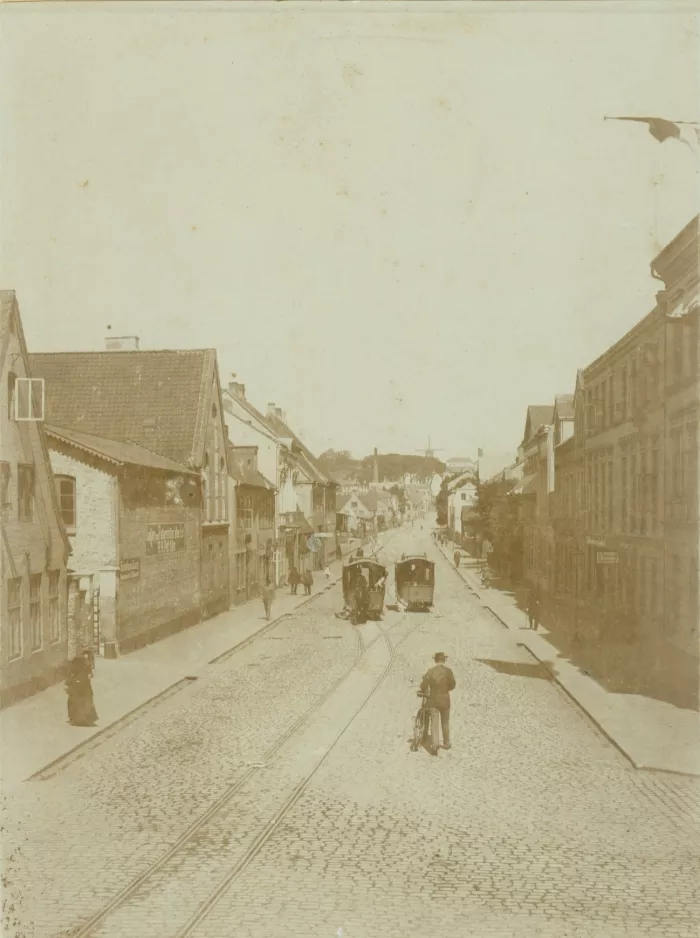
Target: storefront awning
x=526, y=486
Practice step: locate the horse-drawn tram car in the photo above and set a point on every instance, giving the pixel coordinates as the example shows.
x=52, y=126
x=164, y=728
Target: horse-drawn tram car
x=415, y=581
x=363, y=589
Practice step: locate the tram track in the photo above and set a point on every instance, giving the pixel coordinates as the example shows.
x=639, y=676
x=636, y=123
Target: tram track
x=254, y=849
x=92, y=925
x=102, y=736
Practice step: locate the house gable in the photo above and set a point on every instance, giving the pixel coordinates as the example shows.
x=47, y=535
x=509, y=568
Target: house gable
x=24, y=443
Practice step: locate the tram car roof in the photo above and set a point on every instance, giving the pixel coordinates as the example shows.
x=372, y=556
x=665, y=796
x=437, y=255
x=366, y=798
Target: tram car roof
x=414, y=558
x=364, y=562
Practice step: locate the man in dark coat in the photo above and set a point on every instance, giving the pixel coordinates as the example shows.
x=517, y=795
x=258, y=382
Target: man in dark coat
x=361, y=593
x=294, y=580
x=437, y=684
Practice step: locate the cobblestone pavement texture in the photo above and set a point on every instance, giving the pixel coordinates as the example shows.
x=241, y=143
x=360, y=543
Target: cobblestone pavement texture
x=533, y=824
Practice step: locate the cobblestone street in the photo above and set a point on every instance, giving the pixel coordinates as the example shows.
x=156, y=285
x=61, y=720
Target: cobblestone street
x=223, y=812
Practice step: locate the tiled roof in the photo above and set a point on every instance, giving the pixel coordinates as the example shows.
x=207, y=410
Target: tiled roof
x=153, y=399
x=564, y=404
x=538, y=415
x=282, y=429
x=115, y=451
x=244, y=474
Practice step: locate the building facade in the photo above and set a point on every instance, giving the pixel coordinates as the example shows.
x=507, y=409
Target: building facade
x=134, y=522
x=253, y=529
x=36, y=586
x=120, y=413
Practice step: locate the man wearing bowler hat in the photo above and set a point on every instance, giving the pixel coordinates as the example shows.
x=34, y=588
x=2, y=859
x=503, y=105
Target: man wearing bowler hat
x=437, y=684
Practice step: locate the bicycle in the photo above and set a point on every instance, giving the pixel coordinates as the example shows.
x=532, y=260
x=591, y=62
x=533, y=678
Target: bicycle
x=421, y=724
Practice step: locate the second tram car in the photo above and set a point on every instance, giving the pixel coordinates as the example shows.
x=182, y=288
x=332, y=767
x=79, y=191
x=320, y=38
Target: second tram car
x=415, y=581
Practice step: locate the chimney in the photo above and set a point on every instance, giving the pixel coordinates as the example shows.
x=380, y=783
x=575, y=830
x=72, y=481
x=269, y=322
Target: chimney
x=124, y=343
x=271, y=410
x=236, y=390
x=280, y=414
x=376, y=467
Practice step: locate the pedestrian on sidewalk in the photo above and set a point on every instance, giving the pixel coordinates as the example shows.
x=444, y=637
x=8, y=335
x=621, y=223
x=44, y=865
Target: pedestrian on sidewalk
x=437, y=684
x=533, y=609
x=457, y=558
x=294, y=580
x=81, y=703
x=327, y=572
x=307, y=581
x=268, y=595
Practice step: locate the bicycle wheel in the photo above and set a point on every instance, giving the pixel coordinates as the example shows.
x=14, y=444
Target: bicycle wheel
x=418, y=730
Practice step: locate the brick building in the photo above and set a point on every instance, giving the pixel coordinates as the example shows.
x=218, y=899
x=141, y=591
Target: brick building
x=34, y=579
x=252, y=541
x=625, y=506
x=166, y=404
x=537, y=453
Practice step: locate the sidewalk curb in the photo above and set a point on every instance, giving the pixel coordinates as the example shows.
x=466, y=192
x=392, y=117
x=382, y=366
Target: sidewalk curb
x=548, y=663
x=185, y=681
x=43, y=773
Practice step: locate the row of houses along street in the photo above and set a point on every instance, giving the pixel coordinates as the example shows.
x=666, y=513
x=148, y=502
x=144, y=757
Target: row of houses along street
x=599, y=512
x=139, y=497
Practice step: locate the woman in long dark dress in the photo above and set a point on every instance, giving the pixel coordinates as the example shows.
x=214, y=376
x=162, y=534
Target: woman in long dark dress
x=81, y=705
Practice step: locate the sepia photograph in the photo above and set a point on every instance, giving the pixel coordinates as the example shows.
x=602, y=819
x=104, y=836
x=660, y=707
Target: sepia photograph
x=349, y=469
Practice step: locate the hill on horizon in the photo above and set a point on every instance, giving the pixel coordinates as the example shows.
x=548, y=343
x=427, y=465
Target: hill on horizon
x=392, y=466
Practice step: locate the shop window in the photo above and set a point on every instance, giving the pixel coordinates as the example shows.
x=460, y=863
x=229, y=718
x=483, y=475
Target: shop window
x=54, y=606
x=14, y=612
x=25, y=493
x=35, y=620
x=65, y=489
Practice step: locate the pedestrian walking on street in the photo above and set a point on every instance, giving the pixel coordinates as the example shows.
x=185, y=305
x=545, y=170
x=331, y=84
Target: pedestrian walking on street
x=327, y=572
x=437, y=684
x=293, y=580
x=268, y=595
x=307, y=581
x=81, y=704
x=457, y=558
x=533, y=609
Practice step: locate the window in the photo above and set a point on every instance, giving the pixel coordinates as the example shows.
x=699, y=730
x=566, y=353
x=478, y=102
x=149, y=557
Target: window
x=14, y=610
x=677, y=345
x=654, y=490
x=54, y=606
x=689, y=466
x=623, y=388
x=11, y=382
x=676, y=464
x=35, y=622
x=634, y=486
x=28, y=399
x=25, y=493
x=65, y=489
x=623, y=495
x=610, y=496
x=4, y=486
x=464, y=496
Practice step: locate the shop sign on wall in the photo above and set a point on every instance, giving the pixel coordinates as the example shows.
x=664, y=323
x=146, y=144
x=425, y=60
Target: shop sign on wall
x=130, y=569
x=165, y=538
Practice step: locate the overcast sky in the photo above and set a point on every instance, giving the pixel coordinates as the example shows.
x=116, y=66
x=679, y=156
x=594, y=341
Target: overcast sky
x=392, y=222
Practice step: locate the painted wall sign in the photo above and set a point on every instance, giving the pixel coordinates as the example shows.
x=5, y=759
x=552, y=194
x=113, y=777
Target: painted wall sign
x=607, y=556
x=165, y=538
x=130, y=569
